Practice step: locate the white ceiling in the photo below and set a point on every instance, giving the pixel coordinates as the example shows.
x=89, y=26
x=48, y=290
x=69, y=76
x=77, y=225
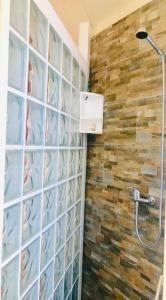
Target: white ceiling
x=99, y=13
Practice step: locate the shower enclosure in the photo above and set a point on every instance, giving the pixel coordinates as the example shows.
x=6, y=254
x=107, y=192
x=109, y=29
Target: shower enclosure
x=42, y=162
x=128, y=72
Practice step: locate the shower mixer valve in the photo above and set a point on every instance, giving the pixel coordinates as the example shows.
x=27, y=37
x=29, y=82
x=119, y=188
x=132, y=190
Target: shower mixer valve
x=137, y=198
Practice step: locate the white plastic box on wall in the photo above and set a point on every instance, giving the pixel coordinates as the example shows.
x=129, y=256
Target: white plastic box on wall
x=91, y=113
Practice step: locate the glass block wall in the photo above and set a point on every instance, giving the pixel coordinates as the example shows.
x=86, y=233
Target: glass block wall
x=44, y=164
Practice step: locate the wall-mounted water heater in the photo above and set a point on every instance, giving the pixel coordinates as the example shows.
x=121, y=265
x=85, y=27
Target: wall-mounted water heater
x=91, y=113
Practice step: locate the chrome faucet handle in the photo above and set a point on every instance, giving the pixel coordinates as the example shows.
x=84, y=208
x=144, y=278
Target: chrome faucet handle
x=136, y=194
x=133, y=191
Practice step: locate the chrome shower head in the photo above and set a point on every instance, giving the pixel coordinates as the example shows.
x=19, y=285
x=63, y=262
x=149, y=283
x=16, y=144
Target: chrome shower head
x=141, y=34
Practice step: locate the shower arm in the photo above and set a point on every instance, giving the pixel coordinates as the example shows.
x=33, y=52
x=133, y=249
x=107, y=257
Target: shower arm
x=162, y=170
x=155, y=47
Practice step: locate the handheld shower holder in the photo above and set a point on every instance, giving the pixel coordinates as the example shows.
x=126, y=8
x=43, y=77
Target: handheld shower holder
x=137, y=198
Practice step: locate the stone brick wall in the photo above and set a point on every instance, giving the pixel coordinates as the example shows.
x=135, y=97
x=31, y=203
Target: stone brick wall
x=128, y=72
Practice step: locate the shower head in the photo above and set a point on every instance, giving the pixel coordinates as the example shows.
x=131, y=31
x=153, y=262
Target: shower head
x=143, y=34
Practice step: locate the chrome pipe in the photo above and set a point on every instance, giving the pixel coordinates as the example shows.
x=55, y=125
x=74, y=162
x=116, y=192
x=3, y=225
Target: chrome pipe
x=154, y=45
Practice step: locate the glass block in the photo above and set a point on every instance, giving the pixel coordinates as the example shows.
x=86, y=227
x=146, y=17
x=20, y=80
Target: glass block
x=82, y=82
x=80, y=139
x=77, y=235
x=31, y=218
x=61, y=199
x=79, y=188
x=69, y=252
x=75, y=291
x=70, y=222
x=51, y=130
x=32, y=171
x=55, y=46
x=9, y=283
x=34, y=124
x=63, y=164
x=74, y=133
x=65, y=97
x=64, y=131
x=72, y=162
x=67, y=282
x=47, y=246
x=69, y=297
x=59, y=266
x=46, y=283
x=53, y=88
x=75, y=104
x=75, y=73
x=71, y=193
x=18, y=16
x=14, y=126
x=76, y=268
x=77, y=214
x=58, y=295
x=36, y=77
x=32, y=293
x=29, y=264
x=66, y=65
x=11, y=231
x=13, y=174
x=60, y=233
x=80, y=161
x=50, y=167
x=48, y=214
x=38, y=29
x=17, y=63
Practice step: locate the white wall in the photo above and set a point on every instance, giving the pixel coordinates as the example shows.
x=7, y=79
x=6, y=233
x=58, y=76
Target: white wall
x=100, y=14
